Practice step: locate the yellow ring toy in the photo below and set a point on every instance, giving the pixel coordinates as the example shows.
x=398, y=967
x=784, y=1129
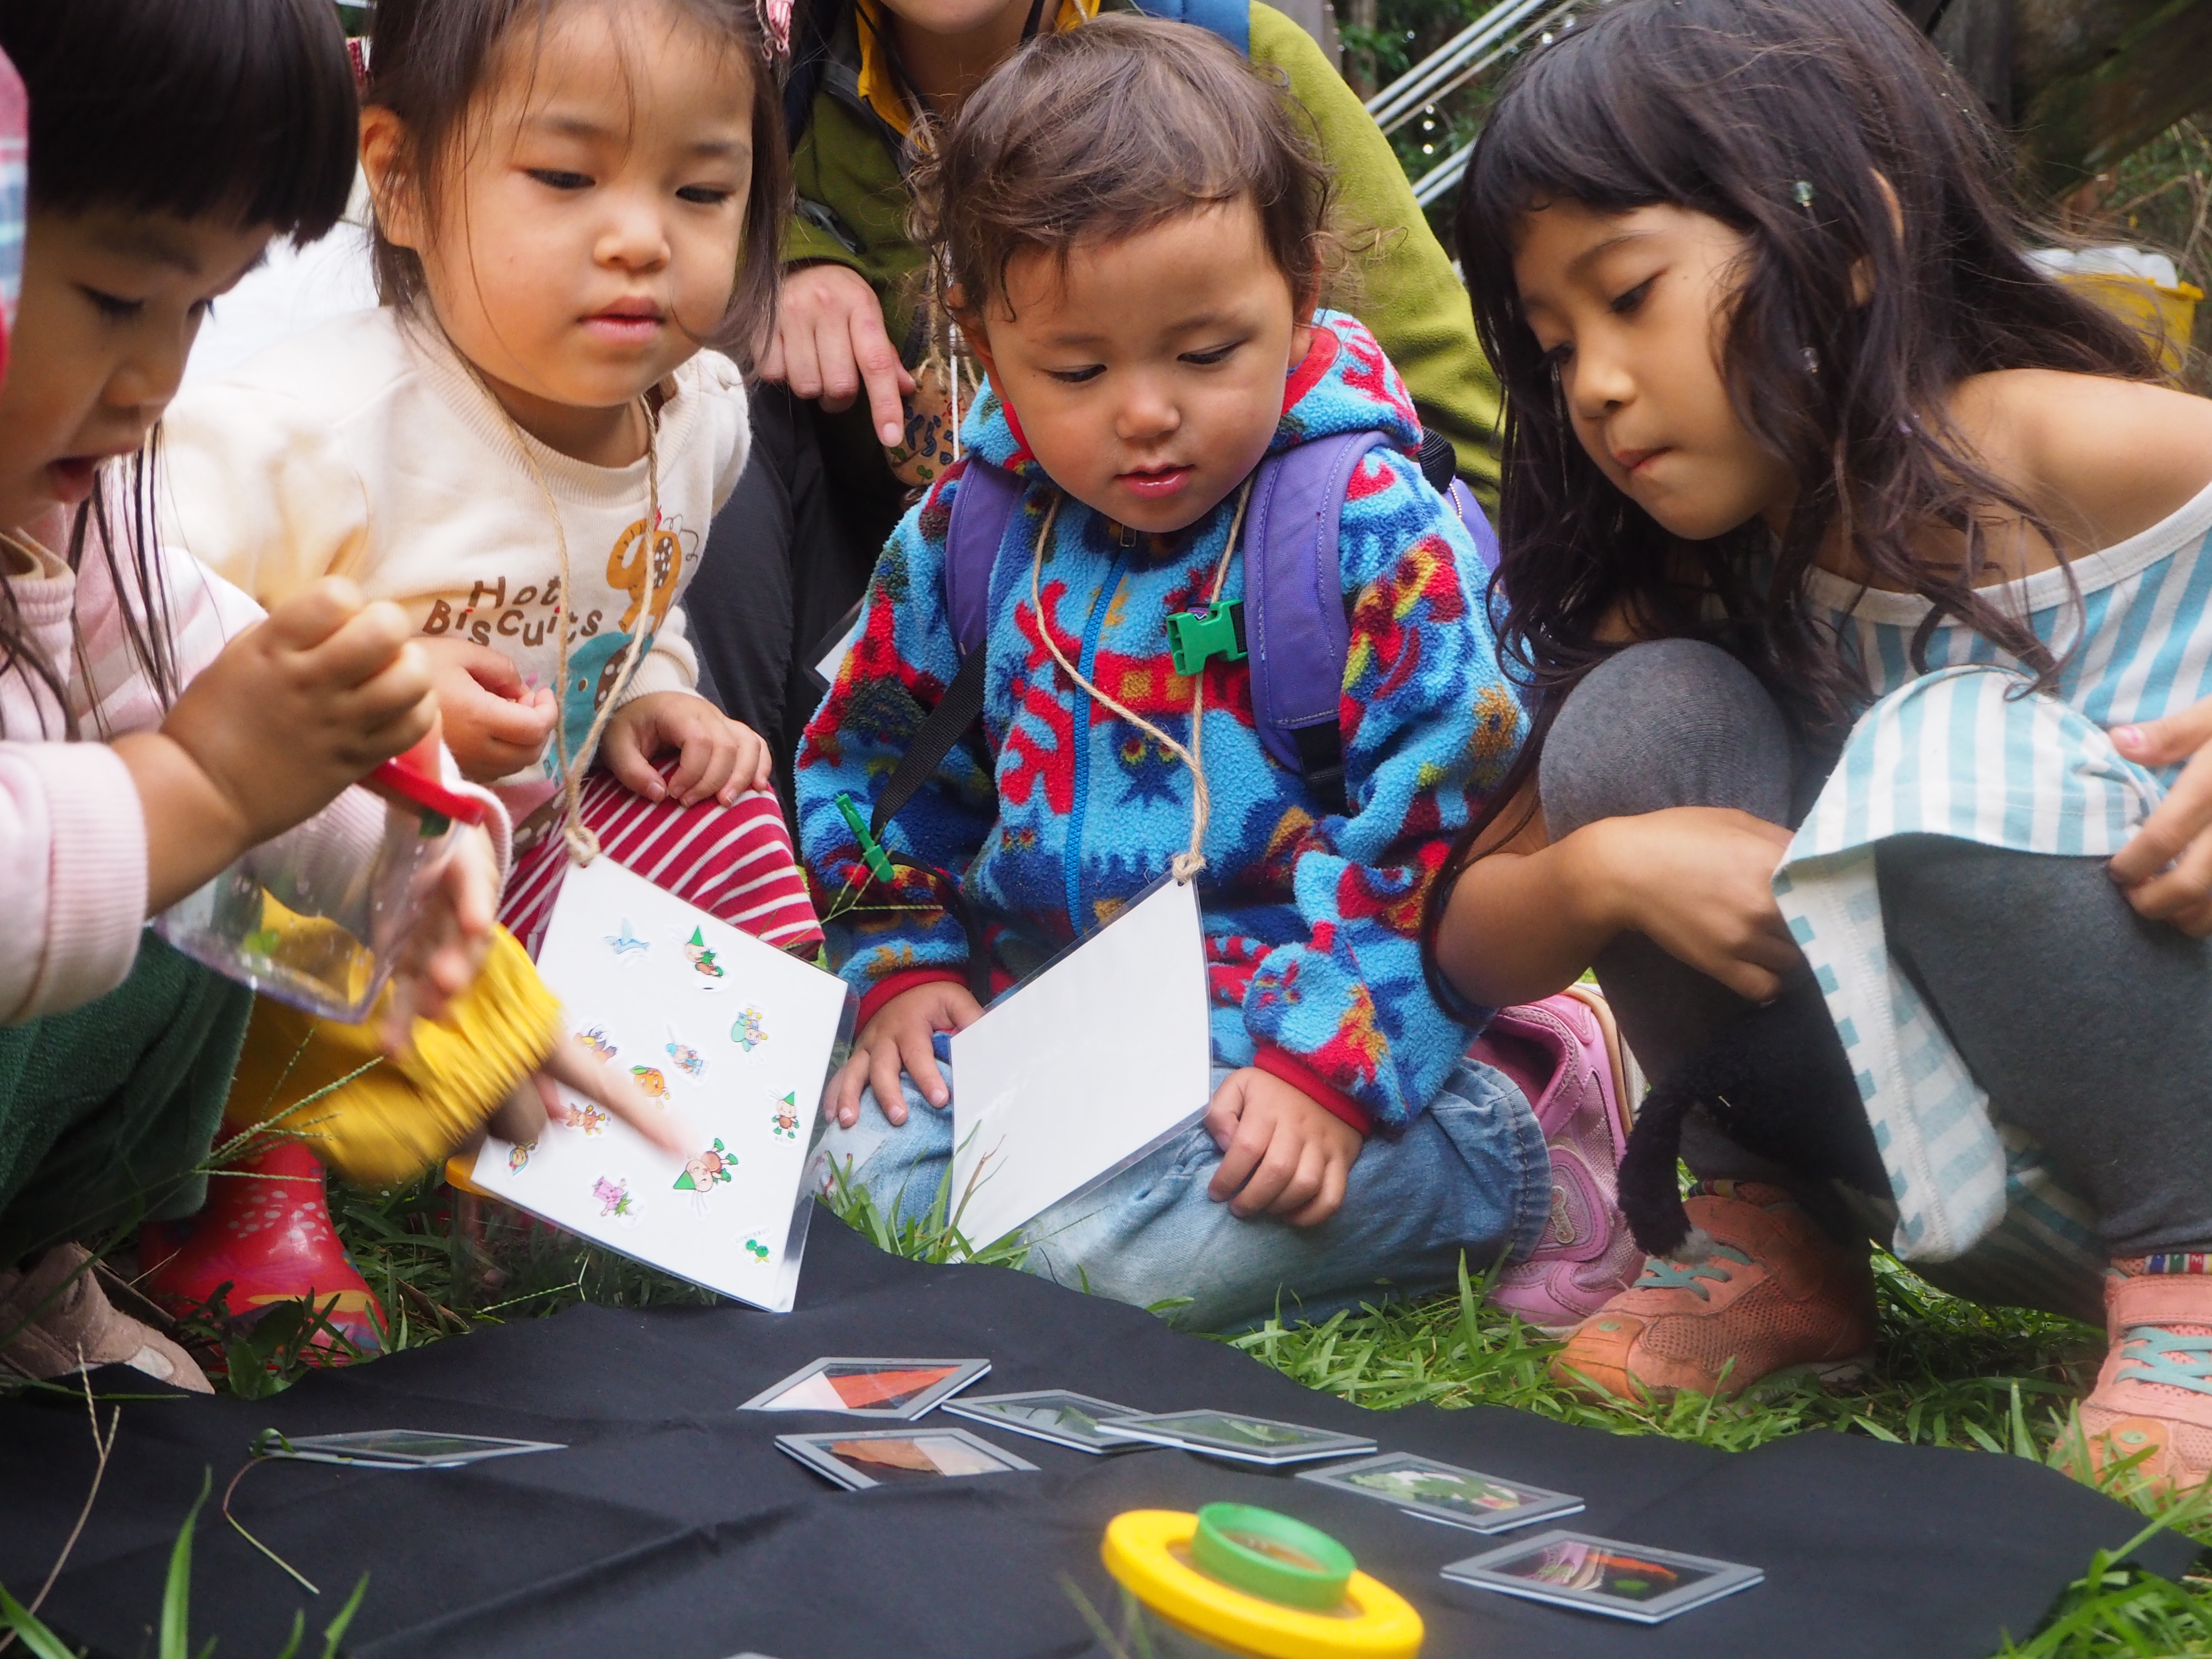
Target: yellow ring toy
x=1148, y=1551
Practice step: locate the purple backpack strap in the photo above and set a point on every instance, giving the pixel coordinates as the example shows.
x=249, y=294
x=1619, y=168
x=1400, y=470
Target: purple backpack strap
x=983, y=507
x=1478, y=526
x=1294, y=627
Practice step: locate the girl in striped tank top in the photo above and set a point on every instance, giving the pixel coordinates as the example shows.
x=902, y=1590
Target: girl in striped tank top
x=1861, y=577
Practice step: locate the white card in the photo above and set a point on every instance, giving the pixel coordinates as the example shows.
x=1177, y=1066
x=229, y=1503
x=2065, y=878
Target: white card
x=731, y=1034
x=1080, y=1071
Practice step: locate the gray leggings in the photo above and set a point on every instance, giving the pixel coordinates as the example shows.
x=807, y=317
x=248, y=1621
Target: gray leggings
x=2091, y=1027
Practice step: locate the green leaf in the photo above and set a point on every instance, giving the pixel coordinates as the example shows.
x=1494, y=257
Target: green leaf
x=30, y=1631
x=177, y=1593
x=334, y=1632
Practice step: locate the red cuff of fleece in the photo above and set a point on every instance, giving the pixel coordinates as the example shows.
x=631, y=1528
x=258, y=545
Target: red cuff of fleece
x=1301, y=1077
x=905, y=979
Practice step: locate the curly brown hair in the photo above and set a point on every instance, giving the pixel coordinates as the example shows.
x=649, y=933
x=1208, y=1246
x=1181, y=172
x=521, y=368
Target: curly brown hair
x=1112, y=129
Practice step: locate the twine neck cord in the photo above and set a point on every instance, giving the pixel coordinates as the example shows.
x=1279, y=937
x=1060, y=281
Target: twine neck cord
x=1186, y=864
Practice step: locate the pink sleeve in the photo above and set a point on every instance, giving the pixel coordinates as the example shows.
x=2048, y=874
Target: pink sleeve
x=72, y=875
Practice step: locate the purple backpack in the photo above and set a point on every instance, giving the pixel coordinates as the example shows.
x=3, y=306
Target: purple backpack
x=1292, y=621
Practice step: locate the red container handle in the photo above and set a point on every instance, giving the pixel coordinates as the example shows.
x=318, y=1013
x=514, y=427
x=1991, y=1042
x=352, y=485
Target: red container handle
x=416, y=777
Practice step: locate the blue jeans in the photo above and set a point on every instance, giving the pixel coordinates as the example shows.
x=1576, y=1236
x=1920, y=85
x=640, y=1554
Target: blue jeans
x=1470, y=1173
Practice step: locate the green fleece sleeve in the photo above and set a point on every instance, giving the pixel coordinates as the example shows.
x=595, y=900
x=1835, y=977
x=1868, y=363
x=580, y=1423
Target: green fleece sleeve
x=1407, y=292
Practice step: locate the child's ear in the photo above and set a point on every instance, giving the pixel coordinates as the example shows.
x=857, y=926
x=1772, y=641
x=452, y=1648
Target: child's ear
x=383, y=159
x=1863, y=268
x=973, y=329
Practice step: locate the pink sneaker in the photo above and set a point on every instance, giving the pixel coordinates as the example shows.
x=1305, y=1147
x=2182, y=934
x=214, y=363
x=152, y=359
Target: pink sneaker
x=1586, y=1256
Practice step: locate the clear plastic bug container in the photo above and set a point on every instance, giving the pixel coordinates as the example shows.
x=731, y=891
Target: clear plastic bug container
x=314, y=916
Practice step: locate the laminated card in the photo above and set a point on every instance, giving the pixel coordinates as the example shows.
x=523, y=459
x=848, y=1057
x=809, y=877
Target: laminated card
x=1083, y=1068
x=731, y=1034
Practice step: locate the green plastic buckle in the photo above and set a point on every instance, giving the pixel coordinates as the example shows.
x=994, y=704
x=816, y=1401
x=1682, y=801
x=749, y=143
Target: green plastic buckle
x=872, y=854
x=1196, y=637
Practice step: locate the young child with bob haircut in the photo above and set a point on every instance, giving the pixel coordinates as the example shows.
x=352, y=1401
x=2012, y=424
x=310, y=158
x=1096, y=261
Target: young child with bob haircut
x=1862, y=572
x=1134, y=225
x=524, y=445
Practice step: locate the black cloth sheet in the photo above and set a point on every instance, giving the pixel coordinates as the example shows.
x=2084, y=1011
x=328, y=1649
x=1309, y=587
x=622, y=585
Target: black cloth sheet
x=673, y=1527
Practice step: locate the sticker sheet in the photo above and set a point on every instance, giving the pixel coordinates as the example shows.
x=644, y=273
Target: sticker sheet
x=730, y=1033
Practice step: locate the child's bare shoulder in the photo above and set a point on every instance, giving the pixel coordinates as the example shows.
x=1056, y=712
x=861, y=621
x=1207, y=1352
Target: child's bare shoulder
x=2103, y=459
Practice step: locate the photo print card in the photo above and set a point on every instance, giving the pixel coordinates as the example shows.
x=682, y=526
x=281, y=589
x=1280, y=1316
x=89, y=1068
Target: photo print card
x=1602, y=1575
x=900, y=1388
x=1443, y=1491
x=898, y=1457
x=1235, y=1436
x=1066, y=1418
x=396, y=1448
x=732, y=1035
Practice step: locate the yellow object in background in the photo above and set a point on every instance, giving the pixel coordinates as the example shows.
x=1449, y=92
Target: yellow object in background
x=399, y=1116
x=1149, y=1552
x=2164, y=315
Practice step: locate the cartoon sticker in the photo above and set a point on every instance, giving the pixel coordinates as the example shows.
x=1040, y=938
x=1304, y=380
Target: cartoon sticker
x=686, y=1059
x=710, y=1168
x=755, y=1249
x=748, y=1033
x=696, y=952
x=785, y=1122
x=651, y=1080
x=592, y=1120
x=518, y=1156
x=626, y=945
x=596, y=1041
x=616, y=1201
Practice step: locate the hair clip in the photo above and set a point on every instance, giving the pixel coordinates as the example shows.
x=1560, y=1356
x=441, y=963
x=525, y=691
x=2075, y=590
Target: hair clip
x=357, y=52
x=1801, y=193
x=775, y=24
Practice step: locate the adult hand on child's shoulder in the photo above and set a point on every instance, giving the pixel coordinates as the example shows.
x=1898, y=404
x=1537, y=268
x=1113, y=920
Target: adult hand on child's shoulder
x=830, y=345
x=2166, y=870
x=897, y=1037
x=494, y=725
x=721, y=758
x=1282, y=1151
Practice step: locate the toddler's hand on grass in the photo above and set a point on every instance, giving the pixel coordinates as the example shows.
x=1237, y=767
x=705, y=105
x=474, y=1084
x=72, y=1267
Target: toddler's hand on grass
x=2166, y=870
x=1282, y=1151
x=442, y=955
x=721, y=759
x=494, y=725
x=898, y=1036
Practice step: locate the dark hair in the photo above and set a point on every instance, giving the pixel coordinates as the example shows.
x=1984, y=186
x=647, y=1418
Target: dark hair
x=238, y=110
x=428, y=62
x=1112, y=129
x=1781, y=119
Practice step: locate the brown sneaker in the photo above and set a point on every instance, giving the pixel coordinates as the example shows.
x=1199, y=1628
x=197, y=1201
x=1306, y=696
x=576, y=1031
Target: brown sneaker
x=1772, y=1292
x=2153, y=1401
x=56, y=1319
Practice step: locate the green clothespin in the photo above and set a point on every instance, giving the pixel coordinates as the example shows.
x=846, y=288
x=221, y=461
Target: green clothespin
x=871, y=852
x=1195, y=637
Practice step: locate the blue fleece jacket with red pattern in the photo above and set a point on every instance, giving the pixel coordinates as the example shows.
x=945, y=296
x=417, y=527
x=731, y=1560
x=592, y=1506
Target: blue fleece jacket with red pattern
x=1311, y=917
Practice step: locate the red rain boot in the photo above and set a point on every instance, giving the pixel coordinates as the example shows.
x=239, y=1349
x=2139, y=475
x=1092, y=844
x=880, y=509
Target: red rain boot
x=271, y=1240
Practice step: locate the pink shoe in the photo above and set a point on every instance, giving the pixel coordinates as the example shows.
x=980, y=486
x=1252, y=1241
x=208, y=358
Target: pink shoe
x=1586, y=1256
x=2153, y=1401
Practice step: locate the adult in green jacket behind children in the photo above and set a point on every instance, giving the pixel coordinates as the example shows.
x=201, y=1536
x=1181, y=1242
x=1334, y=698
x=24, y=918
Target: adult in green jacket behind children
x=866, y=419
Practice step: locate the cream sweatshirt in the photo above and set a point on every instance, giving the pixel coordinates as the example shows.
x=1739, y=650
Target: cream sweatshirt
x=367, y=448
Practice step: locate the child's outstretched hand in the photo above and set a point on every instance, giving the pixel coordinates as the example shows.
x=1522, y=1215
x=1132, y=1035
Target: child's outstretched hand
x=721, y=759
x=440, y=957
x=494, y=725
x=537, y=1098
x=303, y=704
x=2166, y=871
x=897, y=1037
x=1282, y=1151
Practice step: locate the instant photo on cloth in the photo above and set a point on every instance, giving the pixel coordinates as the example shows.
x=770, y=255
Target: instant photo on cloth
x=1444, y=1491
x=1232, y=1435
x=900, y=1388
x=1602, y=1575
x=895, y=1457
x=1055, y=1414
x=732, y=1036
x=396, y=1448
